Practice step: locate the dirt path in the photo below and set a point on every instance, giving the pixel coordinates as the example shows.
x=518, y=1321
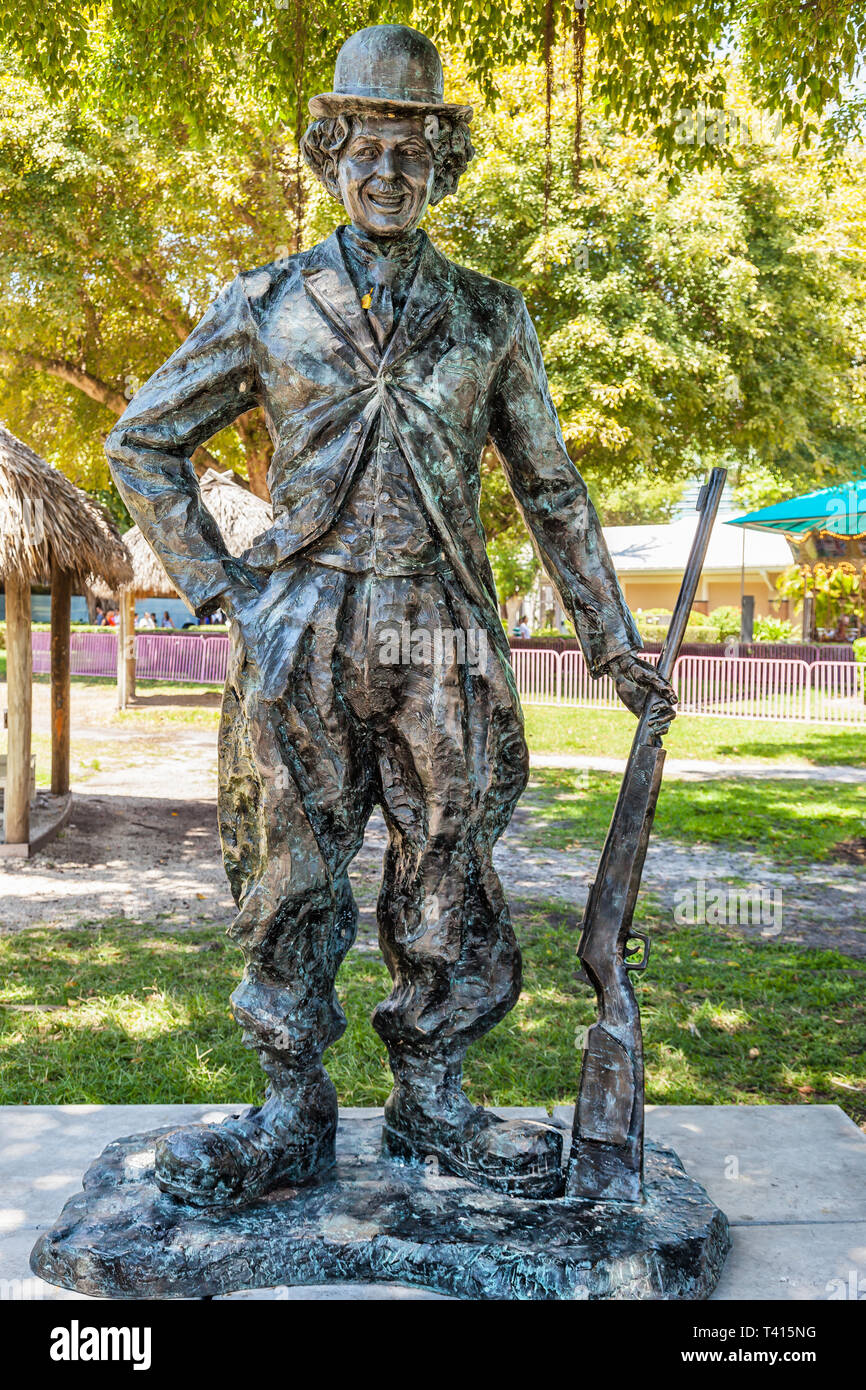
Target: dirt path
x=142, y=843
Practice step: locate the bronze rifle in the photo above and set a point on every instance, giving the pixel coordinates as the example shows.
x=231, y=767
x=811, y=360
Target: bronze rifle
x=606, y=1160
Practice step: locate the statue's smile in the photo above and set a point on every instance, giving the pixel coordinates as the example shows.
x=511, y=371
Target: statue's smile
x=387, y=199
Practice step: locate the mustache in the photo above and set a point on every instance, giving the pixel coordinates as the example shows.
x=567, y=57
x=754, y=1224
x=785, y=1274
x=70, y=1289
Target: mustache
x=376, y=184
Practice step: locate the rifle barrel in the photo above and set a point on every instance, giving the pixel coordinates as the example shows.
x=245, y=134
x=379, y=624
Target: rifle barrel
x=708, y=503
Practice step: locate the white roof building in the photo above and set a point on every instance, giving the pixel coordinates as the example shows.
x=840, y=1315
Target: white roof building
x=650, y=561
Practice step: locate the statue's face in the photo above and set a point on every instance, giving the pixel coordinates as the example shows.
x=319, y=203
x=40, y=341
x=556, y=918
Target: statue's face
x=385, y=174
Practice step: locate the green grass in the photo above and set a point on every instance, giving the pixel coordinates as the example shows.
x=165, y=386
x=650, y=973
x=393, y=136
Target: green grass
x=609, y=733
x=791, y=821
x=140, y=1015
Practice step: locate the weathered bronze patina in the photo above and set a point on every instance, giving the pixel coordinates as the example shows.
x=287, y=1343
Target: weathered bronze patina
x=369, y=1220
x=369, y=663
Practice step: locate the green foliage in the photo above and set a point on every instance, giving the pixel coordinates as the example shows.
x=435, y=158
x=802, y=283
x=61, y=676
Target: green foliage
x=836, y=589
x=717, y=626
x=772, y=629
x=514, y=562
x=720, y=322
x=181, y=61
x=653, y=623
x=726, y=621
x=633, y=502
x=859, y=647
x=111, y=246
x=147, y=153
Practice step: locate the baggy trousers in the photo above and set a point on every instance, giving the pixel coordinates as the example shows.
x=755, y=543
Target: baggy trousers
x=324, y=717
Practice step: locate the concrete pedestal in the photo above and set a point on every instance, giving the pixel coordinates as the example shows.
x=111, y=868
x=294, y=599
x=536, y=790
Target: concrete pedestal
x=374, y=1219
x=791, y=1180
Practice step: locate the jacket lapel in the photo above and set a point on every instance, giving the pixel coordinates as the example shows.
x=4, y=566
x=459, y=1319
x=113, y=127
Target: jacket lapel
x=329, y=285
x=429, y=297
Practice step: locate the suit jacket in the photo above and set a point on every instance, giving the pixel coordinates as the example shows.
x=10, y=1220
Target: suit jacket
x=462, y=367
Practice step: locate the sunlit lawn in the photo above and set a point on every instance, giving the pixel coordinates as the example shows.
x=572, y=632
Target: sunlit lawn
x=134, y=1014
x=790, y=821
x=608, y=733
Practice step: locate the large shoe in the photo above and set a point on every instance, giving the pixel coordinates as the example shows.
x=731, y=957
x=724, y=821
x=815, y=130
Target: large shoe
x=520, y=1157
x=285, y=1143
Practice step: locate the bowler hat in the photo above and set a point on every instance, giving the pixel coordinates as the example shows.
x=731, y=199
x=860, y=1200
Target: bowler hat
x=387, y=69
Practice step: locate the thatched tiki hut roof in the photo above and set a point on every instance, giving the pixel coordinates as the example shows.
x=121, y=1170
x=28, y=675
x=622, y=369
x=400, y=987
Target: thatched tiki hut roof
x=47, y=523
x=239, y=514
x=50, y=533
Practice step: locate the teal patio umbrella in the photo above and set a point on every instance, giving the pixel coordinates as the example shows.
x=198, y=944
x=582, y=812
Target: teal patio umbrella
x=819, y=526
x=834, y=511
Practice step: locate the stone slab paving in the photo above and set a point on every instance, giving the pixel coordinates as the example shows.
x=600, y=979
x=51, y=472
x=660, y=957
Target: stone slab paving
x=791, y=1179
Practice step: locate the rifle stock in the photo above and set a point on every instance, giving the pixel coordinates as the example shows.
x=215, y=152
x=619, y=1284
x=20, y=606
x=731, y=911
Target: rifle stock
x=606, y=1160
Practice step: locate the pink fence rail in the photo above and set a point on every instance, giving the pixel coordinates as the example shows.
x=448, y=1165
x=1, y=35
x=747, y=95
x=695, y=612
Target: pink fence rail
x=176, y=657
x=159, y=656
x=91, y=653
x=826, y=692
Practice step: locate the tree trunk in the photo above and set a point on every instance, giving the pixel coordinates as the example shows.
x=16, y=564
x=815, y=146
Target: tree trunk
x=61, y=595
x=19, y=691
x=258, y=449
x=90, y=600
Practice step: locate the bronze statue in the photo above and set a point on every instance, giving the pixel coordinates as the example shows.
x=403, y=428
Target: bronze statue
x=383, y=369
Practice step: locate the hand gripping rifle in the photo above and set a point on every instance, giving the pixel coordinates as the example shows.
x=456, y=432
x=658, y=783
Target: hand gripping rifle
x=606, y=1161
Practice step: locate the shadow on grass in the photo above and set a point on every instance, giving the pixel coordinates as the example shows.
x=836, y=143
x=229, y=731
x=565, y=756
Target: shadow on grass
x=122, y=1014
x=817, y=746
x=794, y=821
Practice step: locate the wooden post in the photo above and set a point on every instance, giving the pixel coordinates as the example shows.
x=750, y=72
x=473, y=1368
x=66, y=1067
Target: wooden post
x=128, y=602
x=61, y=594
x=126, y=650
x=19, y=688
x=122, y=694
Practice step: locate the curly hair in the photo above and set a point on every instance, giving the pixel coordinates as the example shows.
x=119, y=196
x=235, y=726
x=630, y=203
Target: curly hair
x=448, y=137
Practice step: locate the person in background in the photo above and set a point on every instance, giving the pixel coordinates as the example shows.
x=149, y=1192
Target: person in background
x=99, y=616
x=523, y=627
x=166, y=619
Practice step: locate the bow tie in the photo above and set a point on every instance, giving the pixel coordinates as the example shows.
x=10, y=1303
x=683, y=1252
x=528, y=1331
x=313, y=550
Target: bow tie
x=384, y=271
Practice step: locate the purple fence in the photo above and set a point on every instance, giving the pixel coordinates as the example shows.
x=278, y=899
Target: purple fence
x=828, y=692
x=825, y=692
x=784, y=651
x=159, y=656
